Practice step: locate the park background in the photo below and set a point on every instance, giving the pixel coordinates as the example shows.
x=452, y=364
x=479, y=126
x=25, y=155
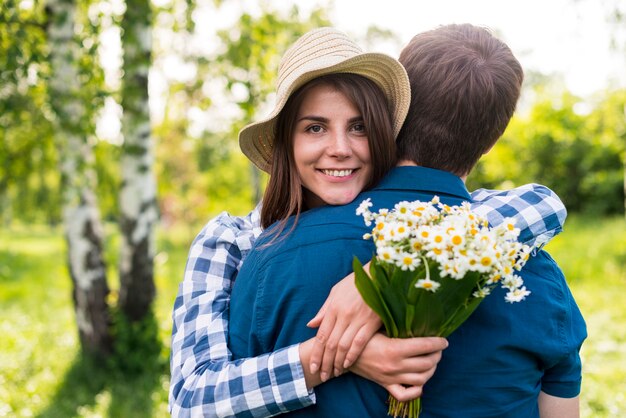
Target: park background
x=118, y=127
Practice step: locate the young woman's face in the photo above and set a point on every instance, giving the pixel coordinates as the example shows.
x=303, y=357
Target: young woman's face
x=330, y=148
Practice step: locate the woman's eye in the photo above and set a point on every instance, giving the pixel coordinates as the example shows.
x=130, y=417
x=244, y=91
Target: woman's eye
x=358, y=127
x=314, y=129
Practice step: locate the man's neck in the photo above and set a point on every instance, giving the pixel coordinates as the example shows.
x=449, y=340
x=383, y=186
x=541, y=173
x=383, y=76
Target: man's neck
x=409, y=163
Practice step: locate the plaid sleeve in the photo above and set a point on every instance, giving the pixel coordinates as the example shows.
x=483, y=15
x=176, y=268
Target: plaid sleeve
x=537, y=210
x=205, y=381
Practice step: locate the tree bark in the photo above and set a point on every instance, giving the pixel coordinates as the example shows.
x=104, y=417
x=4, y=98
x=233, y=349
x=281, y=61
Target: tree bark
x=83, y=229
x=138, y=205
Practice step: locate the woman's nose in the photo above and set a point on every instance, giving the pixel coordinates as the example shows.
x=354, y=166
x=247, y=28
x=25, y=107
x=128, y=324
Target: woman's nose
x=340, y=146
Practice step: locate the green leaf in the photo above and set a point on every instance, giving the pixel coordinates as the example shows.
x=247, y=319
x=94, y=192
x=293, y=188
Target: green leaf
x=395, y=300
x=454, y=293
x=412, y=291
x=369, y=288
x=410, y=317
x=429, y=315
x=462, y=314
x=379, y=273
x=402, y=279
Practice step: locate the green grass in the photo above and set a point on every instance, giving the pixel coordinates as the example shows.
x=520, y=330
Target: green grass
x=592, y=254
x=42, y=373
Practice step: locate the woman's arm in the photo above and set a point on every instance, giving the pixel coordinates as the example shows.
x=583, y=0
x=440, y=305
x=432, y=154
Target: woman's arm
x=537, y=210
x=202, y=369
x=203, y=373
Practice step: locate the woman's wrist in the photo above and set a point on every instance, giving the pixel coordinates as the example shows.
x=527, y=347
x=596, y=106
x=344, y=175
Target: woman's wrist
x=305, y=349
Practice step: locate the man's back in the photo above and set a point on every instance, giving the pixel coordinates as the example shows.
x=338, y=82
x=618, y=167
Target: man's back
x=496, y=361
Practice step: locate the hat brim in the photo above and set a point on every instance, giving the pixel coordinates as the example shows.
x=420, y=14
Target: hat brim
x=256, y=139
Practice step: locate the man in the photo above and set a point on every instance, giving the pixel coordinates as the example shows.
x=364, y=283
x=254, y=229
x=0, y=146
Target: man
x=514, y=360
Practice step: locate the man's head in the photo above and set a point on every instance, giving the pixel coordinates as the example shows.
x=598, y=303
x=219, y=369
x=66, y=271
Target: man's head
x=465, y=84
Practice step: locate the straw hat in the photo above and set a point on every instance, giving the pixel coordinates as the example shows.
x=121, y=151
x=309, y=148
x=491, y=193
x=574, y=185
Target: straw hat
x=319, y=52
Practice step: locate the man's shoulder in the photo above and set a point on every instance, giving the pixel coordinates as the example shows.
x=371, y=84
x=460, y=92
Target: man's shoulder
x=545, y=280
x=542, y=264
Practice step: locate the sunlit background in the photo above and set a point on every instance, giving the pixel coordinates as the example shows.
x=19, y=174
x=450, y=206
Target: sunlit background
x=211, y=71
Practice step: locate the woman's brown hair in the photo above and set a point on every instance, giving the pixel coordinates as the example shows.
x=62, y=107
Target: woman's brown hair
x=283, y=196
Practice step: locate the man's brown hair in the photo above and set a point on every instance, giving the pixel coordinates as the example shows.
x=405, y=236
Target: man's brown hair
x=465, y=84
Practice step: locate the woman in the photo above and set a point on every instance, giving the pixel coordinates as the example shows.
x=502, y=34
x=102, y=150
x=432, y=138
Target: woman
x=201, y=370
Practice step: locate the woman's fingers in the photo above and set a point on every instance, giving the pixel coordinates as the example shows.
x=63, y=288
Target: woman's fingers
x=404, y=393
x=321, y=338
x=357, y=343
x=317, y=319
x=330, y=351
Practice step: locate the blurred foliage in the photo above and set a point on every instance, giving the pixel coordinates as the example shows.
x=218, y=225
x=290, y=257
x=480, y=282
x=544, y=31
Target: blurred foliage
x=213, y=83
x=577, y=150
x=253, y=48
x=138, y=347
x=27, y=154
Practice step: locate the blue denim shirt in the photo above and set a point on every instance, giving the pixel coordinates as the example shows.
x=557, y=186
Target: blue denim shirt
x=497, y=362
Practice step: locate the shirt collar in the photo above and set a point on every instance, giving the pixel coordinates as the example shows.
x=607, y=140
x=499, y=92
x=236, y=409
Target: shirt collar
x=437, y=182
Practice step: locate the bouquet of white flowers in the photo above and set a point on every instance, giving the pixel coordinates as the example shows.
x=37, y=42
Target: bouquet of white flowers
x=433, y=266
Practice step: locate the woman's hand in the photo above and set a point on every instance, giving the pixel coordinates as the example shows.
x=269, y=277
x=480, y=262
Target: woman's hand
x=345, y=324
x=400, y=365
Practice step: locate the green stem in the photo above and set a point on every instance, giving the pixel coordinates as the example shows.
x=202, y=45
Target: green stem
x=427, y=268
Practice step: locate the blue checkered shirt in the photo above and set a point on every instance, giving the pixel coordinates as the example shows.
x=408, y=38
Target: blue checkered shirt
x=201, y=365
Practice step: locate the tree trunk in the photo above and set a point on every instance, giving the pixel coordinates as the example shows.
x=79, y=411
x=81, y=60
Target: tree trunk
x=138, y=204
x=83, y=230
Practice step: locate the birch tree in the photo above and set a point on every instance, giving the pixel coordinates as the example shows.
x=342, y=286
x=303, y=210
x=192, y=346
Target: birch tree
x=83, y=229
x=138, y=206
